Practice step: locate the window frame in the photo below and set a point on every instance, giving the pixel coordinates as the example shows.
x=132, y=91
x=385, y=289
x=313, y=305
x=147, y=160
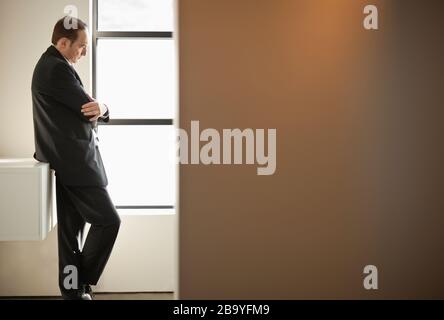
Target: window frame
x=96, y=35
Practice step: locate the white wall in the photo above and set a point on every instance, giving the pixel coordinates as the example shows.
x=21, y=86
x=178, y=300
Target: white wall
x=27, y=268
x=26, y=29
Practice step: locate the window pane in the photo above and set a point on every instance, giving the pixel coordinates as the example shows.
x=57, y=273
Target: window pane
x=135, y=15
x=140, y=164
x=137, y=77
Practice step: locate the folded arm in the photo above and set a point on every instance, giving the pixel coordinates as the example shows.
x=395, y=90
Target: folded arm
x=96, y=110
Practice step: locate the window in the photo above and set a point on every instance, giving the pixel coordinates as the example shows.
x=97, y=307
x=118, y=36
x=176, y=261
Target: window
x=135, y=73
x=135, y=15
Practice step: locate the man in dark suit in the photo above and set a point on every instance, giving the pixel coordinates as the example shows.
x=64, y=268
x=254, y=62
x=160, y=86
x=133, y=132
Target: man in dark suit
x=65, y=125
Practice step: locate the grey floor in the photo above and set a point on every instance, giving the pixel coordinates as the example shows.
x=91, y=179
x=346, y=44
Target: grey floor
x=110, y=296
x=134, y=296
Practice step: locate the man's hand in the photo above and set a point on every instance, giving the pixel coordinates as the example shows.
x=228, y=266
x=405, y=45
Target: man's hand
x=94, y=109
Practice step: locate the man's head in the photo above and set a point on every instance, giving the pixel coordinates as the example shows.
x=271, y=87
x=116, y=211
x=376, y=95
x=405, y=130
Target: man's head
x=72, y=42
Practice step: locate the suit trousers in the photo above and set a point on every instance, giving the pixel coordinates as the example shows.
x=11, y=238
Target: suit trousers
x=76, y=206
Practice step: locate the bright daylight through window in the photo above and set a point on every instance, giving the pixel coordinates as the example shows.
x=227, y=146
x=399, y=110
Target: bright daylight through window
x=135, y=73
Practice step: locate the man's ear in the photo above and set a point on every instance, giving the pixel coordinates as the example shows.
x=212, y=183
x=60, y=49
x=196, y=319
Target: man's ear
x=64, y=43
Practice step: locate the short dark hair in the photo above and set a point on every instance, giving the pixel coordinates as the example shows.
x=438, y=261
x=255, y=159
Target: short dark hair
x=72, y=33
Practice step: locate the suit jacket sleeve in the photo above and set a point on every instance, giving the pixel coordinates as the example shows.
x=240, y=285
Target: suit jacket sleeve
x=67, y=90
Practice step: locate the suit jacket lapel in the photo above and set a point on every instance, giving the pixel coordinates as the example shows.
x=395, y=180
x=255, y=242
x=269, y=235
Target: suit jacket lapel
x=77, y=76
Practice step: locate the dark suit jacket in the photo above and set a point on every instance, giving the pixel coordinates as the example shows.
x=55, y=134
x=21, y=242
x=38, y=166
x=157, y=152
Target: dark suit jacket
x=63, y=136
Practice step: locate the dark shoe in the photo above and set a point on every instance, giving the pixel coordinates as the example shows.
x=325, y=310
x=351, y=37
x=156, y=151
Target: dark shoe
x=83, y=293
x=85, y=296
x=77, y=296
x=87, y=290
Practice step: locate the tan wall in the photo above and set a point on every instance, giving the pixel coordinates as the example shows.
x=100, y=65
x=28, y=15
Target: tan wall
x=359, y=160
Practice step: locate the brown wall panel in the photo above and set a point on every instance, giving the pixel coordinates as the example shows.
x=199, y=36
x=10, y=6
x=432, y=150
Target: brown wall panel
x=359, y=149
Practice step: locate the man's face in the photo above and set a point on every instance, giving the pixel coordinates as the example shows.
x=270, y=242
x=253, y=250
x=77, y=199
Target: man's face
x=75, y=50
